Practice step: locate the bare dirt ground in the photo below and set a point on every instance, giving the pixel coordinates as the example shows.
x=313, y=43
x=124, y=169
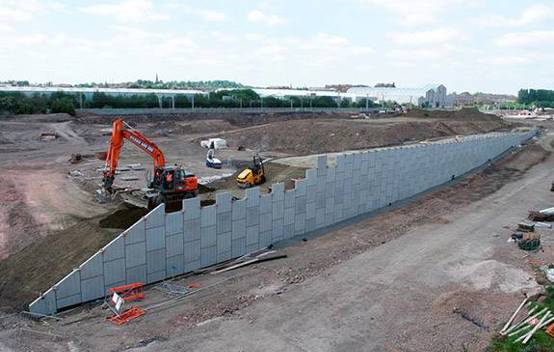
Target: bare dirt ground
x=300, y=137
x=406, y=279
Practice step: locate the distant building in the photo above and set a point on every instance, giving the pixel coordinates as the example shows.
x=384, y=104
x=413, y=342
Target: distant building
x=430, y=95
x=467, y=99
x=436, y=97
x=385, y=85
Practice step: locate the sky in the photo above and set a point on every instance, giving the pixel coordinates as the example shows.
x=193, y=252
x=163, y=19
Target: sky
x=496, y=46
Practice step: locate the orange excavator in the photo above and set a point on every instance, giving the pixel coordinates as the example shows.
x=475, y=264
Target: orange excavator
x=171, y=184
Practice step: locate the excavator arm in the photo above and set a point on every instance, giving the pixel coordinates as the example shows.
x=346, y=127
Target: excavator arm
x=120, y=132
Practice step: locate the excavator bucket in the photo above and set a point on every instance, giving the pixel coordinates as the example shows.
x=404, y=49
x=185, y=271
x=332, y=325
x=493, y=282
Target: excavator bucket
x=102, y=196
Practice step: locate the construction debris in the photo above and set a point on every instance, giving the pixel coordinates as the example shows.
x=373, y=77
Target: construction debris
x=48, y=136
x=127, y=315
x=513, y=316
x=75, y=173
x=214, y=143
x=549, y=272
x=246, y=260
x=118, y=296
x=542, y=215
x=129, y=178
x=524, y=330
x=136, y=167
x=75, y=158
x=529, y=244
x=526, y=226
x=543, y=225
x=172, y=289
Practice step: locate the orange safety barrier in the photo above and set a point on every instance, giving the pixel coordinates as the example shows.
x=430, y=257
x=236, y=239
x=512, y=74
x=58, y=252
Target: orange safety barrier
x=129, y=293
x=127, y=316
x=550, y=330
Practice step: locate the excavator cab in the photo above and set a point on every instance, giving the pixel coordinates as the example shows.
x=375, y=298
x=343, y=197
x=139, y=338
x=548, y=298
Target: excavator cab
x=172, y=184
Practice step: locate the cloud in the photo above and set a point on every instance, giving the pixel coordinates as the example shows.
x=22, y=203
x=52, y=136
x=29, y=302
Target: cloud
x=16, y=10
x=533, y=14
x=526, y=39
x=434, y=36
x=205, y=14
x=506, y=60
x=213, y=16
x=127, y=11
x=257, y=16
x=418, y=12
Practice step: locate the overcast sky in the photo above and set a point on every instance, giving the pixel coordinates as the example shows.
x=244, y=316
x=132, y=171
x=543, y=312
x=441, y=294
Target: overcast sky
x=474, y=45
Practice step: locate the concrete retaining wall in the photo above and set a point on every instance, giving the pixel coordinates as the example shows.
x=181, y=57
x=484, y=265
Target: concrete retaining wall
x=163, y=245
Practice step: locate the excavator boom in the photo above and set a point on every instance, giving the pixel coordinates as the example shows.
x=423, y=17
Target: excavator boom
x=170, y=182
x=119, y=134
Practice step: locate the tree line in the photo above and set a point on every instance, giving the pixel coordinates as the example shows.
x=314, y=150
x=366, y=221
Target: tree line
x=19, y=103
x=541, y=98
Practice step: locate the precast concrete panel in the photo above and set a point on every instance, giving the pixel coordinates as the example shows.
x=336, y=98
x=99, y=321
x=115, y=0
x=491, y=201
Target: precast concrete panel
x=224, y=243
x=92, y=288
x=252, y=235
x=223, y=202
x=135, y=233
x=265, y=204
x=69, y=285
x=277, y=230
x=252, y=216
x=136, y=274
x=208, y=237
x=208, y=216
x=300, y=204
x=265, y=238
x=45, y=304
x=69, y=301
x=253, y=197
x=238, y=229
x=155, y=238
x=114, y=272
x=321, y=165
x=135, y=254
x=192, y=229
x=175, y=265
x=238, y=247
x=224, y=222
x=115, y=249
x=266, y=221
x=155, y=261
x=192, y=251
x=239, y=209
x=289, y=198
x=156, y=217
x=174, y=245
x=191, y=208
x=278, y=209
x=92, y=267
x=208, y=256
x=300, y=187
x=278, y=191
x=174, y=223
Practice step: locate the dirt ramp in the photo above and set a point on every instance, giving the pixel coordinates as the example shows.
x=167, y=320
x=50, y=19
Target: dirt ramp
x=26, y=274
x=301, y=137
